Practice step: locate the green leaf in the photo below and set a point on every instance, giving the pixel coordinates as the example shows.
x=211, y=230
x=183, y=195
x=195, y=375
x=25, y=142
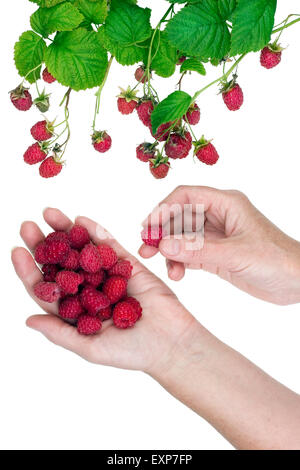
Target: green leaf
x=77, y=59
x=193, y=65
x=200, y=30
x=171, y=108
x=63, y=17
x=125, y=55
x=252, y=25
x=47, y=3
x=94, y=12
x=29, y=53
x=226, y=8
x=164, y=56
x=128, y=24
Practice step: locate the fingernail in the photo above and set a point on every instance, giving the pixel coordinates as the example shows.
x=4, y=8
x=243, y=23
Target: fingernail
x=170, y=247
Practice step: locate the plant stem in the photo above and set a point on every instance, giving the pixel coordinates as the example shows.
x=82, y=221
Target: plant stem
x=285, y=26
x=98, y=94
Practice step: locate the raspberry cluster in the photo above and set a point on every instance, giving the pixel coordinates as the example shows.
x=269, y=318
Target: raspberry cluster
x=88, y=281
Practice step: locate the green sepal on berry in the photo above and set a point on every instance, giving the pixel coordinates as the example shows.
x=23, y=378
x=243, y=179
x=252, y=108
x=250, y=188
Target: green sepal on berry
x=227, y=86
x=274, y=47
x=42, y=102
x=159, y=160
x=198, y=144
x=129, y=95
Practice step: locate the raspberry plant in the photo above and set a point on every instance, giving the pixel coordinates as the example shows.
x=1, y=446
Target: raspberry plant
x=75, y=42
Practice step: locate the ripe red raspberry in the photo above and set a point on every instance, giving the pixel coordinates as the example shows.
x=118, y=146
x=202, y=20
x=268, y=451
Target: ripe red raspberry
x=163, y=132
x=88, y=325
x=115, y=288
x=179, y=145
x=93, y=279
x=47, y=77
x=70, y=308
x=124, y=315
x=159, y=170
x=49, y=272
x=47, y=291
x=206, y=152
x=270, y=58
x=42, y=130
x=233, y=98
x=144, y=111
x=105, y=313
x=152, y=235
x=108, y=256
x=50, y=167
x=140, y=75
x=72, y=261
x=56, y=251
x=34, y=154
x=122, y=268
x=57, y=235
x=40, y=254
x=126, y=107
x=78, y=236
x=193, y=115
x=21, y=98
x=136, y=305
x=101, y=141
x=90, y=259
x=145, y=151
x=93, y=300
x=68, y=281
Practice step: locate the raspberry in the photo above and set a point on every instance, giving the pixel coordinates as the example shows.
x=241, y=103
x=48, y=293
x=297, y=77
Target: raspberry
x=233, y=98
x=193, y=115
x=122, y=268
x=50, y=167
x=163, y=131
x=136, y=305
x=270, y=57
x=93, y=279
x=57, y=235
x=159, y=170
x=88, y=325
x=56, y=251
x=42, y=130
x=72, y=261
x=92, y=300
x=70, y=308
x=145, y=151
x=34, y=154
x=105, y=313
x=47, y=77
x=124, y=315
x=90, y=259
x=47, y=291
x=101, y=141
x=152, y=236
x=21, y=98
x=40, y=254
x=206, y=152
x=68, y=281
x=144, y=111
x=108, y=256
x=140, y=75
x=78, y=236
x=49, y=272
x=179, y=145
x=115, y=288
x=127, y=101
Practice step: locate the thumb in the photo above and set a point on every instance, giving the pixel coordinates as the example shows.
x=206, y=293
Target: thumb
x=196, y=251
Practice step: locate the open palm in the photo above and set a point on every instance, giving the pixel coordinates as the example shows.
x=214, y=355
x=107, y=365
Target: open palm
x=150, y=343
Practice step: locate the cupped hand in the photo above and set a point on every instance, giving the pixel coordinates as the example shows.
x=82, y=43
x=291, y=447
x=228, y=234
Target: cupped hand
x=165, y=324
x=240, y=245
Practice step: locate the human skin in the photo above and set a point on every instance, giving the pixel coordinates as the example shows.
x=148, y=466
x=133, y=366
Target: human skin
x=240, y=245
x=248, y=407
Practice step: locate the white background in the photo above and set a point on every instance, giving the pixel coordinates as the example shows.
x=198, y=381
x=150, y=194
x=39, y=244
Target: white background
x=51, y=399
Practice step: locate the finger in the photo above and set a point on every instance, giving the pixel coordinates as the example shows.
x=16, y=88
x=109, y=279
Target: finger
x=31, y=235
x=57, y=219
x=176, y=271
x=147, y=251
x=30, y=275
x=100, y=235
x=190, y=251
x=62, y=334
